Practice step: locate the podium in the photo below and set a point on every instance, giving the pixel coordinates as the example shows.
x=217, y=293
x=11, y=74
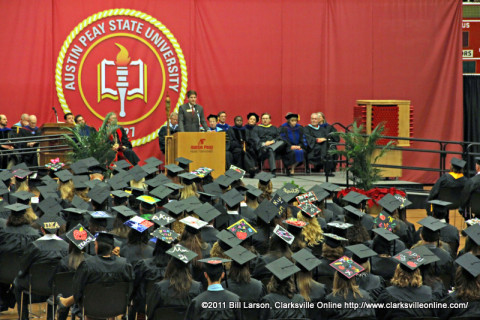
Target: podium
x=53, y=147
x=205, y=149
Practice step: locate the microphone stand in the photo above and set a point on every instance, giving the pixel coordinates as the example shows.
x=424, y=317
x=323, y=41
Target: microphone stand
x=56, y=114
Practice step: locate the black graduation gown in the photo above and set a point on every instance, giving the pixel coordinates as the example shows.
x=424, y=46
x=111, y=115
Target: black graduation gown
x=371, y=283
x=384, y=267
x=318, y=151
x=146, y=270
x=248, y=292
x=408, y=294
x=208, y=234
x=4, y=154
x=16, y=239
x=444, y=267
x=129, y=154
x=338, y=213
x=471, y=310
x=162, y=133
x=318, y=292
x=282, y=313
x=237, y=137
x=31, y=158
x=97, y=269
x=267, y=134
x=324, y=269
x=163, y=296
x=251, y=155
x=135, y=252
x=220, y=310
x=261, y=272
x=446, y=181
x=345, y=313
x=471, y=186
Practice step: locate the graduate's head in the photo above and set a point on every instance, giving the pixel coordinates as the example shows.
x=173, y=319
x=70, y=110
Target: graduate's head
x=104, y=244
x=213, y=267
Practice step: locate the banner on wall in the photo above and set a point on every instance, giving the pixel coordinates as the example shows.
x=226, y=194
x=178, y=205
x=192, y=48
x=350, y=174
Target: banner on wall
x=124, y=61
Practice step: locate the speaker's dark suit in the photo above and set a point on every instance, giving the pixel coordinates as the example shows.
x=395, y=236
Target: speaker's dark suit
x=189, y=121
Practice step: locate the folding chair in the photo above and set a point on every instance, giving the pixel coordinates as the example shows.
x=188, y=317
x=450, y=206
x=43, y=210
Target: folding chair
x=451, y=195
x=9, y=267
x=62, y=284
x=106, y=300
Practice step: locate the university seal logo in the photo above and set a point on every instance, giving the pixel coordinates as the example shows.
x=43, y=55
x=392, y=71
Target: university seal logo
x=124, y=61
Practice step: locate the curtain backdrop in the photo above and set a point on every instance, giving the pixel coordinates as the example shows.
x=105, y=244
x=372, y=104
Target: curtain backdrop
x=265, y=56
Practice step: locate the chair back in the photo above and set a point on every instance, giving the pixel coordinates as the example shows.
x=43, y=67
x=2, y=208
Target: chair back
x=170, y=313
x=106, y=299
x=41, y=275
x=451, y=195
x=9, y=267
x=63, y=283
x=475, y=202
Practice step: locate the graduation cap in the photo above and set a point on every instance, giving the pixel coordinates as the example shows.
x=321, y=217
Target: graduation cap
x=242, y=189
x=207, y=212
x=90, y=162
x=385, y=221
x=165, y=234
x=148, y=202
x=355, y=198
x=173, y=169
x=50, y=206
x=404, y=201
x=124, y=211
x=105, y=237
x=266, y=211
x=149, y=169
x=23, y=196
x=253, y=192
x=122, y=164
x=288, y=192
x=17, y=209
x=240, y=255
x=175, y=207
x=385, y=234
x=99, y=193
x=21, y=174
x=137, y=173
x=409, y=259
x=427, y=255
x=50, y=222
x=79, y=167
x=64, y=175
x=74, y=211
x=92, y=183
x=361, y=252
x=192, y=224
x=353, y=212
x=181, y=253
x=202, y=172
x=224, y=181
x=280, y=204
x=120, y=196
x=214, y=264
x=227, y=240
x=330, y=187
x=79, y=182
x=3, y=190
x=307, y=197
x=162, y=219
x=159, y=180
x=183, y=162
x=206, y=197
x=232, y=198
x=389, y=203
x=432, y=224
x=174, y=186
x=308, y=209
x=341, y=226
x=306, y=260
x=187, y=178
x=79, y=203
x=440, y=208
x=264, y=177
x=242, y=229
x=5, y=175
x=469, y=263
x=332, y=240
x=118, y=182
x=346, y=267
x=295, y=226
x=283, y=234
x=138, y=223
x=152, y=161
x=234, y=174
x=191, y=203
x=459, y=163
x=161, y=192
x=282, y=268
x=137, y=192
x=99, y=215
x=21, y=165
x=80, y=236
x=213, y=188
x=319, y=192
x=473, y=232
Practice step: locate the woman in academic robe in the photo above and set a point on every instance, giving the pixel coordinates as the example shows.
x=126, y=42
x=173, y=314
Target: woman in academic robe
x=332, y=250
x=312, y=233
x=137, y=247
x=296, y=143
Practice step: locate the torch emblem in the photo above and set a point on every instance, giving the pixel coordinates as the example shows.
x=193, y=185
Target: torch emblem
x=121, y=90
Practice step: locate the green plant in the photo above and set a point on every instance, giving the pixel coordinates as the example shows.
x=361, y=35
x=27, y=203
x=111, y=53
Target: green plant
x=360, y=154
x=96, y=144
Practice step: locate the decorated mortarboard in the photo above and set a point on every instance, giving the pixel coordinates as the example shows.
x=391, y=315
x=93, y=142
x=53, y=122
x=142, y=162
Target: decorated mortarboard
x=288, y=192
x=333, y=240
x=385, y=221
x=207, y=212
x=308, y=209
x=120, y=195
x=264, y=177
x=162, y=219
x=355, y=198
x=330, y=187
x=266, y=211
x=64, y=175
x=458, y=163
x=240, y=255
x=79, y=203
x=105, y=237
x=320, y=193
x=361, y=252
x=404, y=201
x=165, y=234
x=137, y=173
x=385, y=234
x=50, y=222
x=154, y=161
x=295, y=226
x=232, y=198
x=427, y=255
x=283, y=234
x=79, y=182
x=174, y=186
x=340, y=225
x=253, y=192
x=389, y=203
x=99, y=214
x=99, y=193
x=187, y=178
x=183, y=162
x=148, y=202
x=307, y=197
x=282, y=268
x=235, y=174
x=202, y=172
x=173, y=169
x=353, y=212
x=306, y=260
x=242, y=229
x=175, y=207
x=80, y=236
x=50, y=206
x=17, y=209
x=227, y=238
x=213, y=188
x=280, y=204
x=181, y=253
x=159, y=180
x=161, y=192
x=432, y=223
x=79, y=167
x=124, y=211
x=347, y=267
x=473, y=232
x=224, y=181
x=139, y=224
x=192, y=224
x=409, y=259
x=469, y=263
x=21, y=173
x=23, y=196
x=54, y=164
x=473, y=221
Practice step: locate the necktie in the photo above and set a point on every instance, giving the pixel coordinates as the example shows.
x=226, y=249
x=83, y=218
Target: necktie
x=193, y=110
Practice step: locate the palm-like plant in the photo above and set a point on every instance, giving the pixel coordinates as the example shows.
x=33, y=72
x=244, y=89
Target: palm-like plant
x=96, y=144
x=360, y=154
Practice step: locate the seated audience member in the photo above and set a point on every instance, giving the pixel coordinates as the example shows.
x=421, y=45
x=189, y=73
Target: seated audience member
x=472, y=185
x=84, y=129
x=345, y=290
x=5, y=134
x=384, y=243
x=296, y=143
x=222, y=124
x=162, y=133
x=29, y=131
x=198, y=307
x=281, y=288
x=69, y=118
x=212, y=122
x=269, y=142
x=136, y=248
x=318, y=134
x=472, y=242
x=120, y=142
x=332, y=250
x=237, y=137
x=252, y=140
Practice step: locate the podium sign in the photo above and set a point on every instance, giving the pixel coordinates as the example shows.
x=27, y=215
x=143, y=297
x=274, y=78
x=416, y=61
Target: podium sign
x=205, y=149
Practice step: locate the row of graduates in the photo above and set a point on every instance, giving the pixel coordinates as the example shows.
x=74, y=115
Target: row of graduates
x=276, y=227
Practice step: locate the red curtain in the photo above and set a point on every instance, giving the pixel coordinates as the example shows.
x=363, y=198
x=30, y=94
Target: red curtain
x=266, y=56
